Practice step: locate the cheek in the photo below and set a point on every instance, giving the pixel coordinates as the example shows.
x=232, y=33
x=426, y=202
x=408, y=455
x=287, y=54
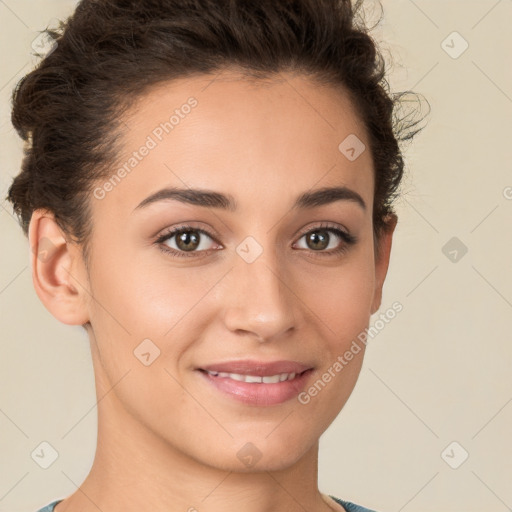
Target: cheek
x=136, y=301
x=143, y=295
x=341, y=303
x=341, y=298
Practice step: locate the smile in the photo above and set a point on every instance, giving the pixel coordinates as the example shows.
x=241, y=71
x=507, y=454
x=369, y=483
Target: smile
x=267, y=390
x=267, y=379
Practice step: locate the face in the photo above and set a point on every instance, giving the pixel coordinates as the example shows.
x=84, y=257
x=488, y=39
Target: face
x=263, y=278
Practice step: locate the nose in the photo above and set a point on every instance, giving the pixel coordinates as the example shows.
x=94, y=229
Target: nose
x=261, y=301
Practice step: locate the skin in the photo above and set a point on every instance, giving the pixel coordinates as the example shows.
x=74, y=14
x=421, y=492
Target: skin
x=167, y=439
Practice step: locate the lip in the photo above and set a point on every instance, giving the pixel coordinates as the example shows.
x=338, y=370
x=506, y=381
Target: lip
x=256, y=393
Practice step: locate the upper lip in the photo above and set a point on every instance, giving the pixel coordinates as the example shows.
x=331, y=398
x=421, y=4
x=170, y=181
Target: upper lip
x=262, y=368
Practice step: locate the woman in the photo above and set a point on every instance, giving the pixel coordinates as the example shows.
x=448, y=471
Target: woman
x=207, y=189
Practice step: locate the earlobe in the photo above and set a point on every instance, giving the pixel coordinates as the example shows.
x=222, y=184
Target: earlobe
x=56, y=270
x=382, y=256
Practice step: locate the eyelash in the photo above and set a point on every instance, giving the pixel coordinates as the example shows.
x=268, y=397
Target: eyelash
x=347, y=238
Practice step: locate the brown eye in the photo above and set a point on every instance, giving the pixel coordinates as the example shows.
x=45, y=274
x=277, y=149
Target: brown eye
x=185, y=241
x=318, y=239
x=327, y=240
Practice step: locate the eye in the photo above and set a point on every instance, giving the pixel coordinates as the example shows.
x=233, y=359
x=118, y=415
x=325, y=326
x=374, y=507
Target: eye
x=190, y=241
x=321, y=238
x=185, y=241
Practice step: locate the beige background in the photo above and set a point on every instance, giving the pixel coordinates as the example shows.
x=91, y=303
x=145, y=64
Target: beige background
x=438, y=373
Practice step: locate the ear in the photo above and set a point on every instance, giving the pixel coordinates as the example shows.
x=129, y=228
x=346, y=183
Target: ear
x=382, y=255
x=58, y=271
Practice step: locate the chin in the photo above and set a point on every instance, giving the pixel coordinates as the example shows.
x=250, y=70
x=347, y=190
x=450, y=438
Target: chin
x=259, y=455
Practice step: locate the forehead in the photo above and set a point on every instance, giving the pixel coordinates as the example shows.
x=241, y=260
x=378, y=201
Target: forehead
x=253, y=139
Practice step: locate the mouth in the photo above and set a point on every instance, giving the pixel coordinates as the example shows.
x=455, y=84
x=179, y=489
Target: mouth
x=256, y=383
x=261, y=379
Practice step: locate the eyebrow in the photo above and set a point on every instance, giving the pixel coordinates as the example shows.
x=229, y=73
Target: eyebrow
x=212, y=199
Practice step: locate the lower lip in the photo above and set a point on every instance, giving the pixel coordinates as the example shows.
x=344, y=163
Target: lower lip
x=258, y=393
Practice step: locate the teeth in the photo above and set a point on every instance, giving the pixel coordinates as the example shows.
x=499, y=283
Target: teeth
x=270, y=379
x=247, y=378
x=234, y=376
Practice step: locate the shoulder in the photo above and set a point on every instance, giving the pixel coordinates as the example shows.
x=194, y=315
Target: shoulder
x=351, y=507
x=49, y=507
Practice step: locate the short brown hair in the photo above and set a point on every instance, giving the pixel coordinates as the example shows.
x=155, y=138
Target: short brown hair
x=109, y=51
